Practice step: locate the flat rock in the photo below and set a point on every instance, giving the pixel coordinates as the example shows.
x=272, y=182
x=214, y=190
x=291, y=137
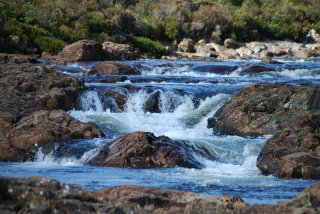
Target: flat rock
x=144, y=150
x=114, y=68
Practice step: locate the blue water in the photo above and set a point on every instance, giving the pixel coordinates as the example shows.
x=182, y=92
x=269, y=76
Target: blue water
x=191, y=92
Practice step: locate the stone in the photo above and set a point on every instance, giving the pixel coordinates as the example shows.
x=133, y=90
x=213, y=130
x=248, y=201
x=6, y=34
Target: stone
x=256, y=47
x=228, y=54
x=120, y=51
x=186, y=45
x=313, y=36
x=266, y=54
x=114, y=68
x=153, y=102
x=305, y=54
x=254, y=69
x=145, y=150
x=207, y=50
x=290, y=113
x=43, y=128
x=230, y=43
x=44, y=195
x=244, y=52
x=83, y=50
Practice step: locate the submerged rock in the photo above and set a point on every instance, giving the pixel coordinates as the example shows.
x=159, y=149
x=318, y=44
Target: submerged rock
x=144, y=150
x=43, y=195
x=113, y=68
x=291, y=113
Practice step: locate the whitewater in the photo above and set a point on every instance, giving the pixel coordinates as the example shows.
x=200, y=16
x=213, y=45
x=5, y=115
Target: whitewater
x=189, y=94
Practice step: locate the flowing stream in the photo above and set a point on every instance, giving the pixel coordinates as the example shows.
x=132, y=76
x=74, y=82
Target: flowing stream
x=187, y=94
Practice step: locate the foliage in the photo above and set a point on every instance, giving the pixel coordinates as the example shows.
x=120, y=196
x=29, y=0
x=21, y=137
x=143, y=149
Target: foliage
x=50, y=24
x=148, y=45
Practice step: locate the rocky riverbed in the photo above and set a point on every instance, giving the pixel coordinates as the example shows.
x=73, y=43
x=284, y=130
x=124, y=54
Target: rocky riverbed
x=153, y=114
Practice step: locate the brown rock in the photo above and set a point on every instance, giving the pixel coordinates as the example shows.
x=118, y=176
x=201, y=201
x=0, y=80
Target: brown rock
x=144, y=150
x=120, y=51
x=42, y=128
x=186, y=45
x=292, y=112
x=43, y=195
x=113, y=68
x=83, y=50
x=228, y=54
x=305, y=54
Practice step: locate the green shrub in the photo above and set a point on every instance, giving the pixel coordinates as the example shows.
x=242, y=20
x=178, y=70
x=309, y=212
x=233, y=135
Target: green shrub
x=148, y=45
x=48, y=44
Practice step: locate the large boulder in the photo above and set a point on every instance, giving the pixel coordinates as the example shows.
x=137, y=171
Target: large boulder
x=83, y=50
x=230, y=43
x=228, y=54
x=42, y=128
x=120, y=51
x=114, y=68
x=145, y=150
x=186, y=45
x=290, y=113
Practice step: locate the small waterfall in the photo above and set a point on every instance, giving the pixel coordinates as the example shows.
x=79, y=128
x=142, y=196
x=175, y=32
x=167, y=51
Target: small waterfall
x=90, y=101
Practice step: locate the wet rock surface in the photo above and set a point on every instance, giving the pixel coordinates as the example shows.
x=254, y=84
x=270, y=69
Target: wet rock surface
x=291, y=113
x=145, y=150
x=43, y=195
x=29, y=94
x=113, y=68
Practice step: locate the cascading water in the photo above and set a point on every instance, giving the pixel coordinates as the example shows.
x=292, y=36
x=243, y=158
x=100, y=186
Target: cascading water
x=175, y=100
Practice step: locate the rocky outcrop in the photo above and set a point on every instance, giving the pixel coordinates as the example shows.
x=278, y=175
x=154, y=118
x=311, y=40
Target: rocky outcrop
x=42, y=128
x=313, y=36
x=33, y=97
x=186, y=45
x=120, y=51
x=114, y=68
x=144, y=150
x=83, y=50
x=43, y=195
x=291, y=113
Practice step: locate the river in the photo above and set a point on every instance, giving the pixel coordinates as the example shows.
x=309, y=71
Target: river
x=188, y=93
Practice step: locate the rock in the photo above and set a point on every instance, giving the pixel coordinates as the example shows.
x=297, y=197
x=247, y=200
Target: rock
x=144, y=150
x=44, y=195
x=316, y=47
x=43, y=128
x=228, y=54
x=313, y=36
x=244, y=52
x=26, y=91
x=83, y=50
x=255, y=69
x=230, y=43
x=207, y=50
x=217, y=69
x=256, y=111
x=270, y=61
x=114, y=68
x=256, y=47
x=291, y=113
x=118, y=98
x=18, y=59
x=293, y=152
x=120, y=51
x=266, y=54
x=153, y=103
x=305, y=54
x=186, y=45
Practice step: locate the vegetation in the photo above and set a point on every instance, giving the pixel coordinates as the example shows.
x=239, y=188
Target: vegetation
x=49, y=25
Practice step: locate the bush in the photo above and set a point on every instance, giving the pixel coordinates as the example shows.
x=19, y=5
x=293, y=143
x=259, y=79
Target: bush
x=48, y=44
x=148, y=45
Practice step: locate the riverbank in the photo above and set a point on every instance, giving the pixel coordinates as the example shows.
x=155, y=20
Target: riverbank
x=40, y=194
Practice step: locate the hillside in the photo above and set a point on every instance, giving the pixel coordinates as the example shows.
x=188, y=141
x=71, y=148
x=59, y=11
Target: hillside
x=47, y=26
